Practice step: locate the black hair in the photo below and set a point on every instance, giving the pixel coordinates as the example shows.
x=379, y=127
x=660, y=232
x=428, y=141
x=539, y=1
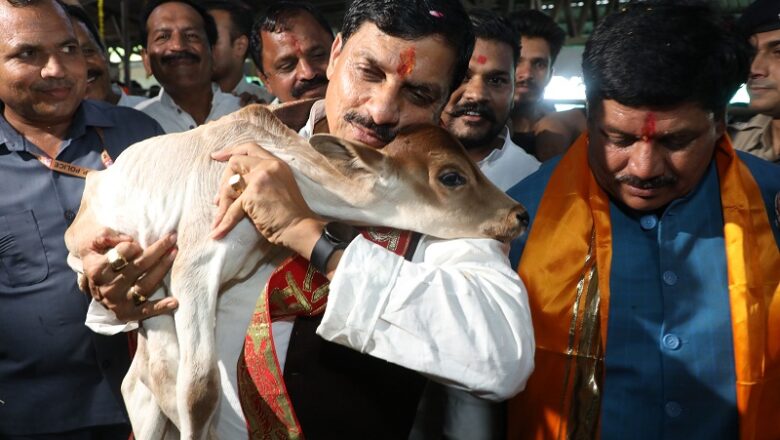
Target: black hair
x=240, y=15
x=208, y=21
x=537, y=24
x=80, y=14
x=665, y=53
x=275, y=19
x=488, y=25
x=415, y=19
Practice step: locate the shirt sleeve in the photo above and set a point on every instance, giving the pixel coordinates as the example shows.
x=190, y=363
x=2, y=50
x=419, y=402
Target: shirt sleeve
x=457, y=313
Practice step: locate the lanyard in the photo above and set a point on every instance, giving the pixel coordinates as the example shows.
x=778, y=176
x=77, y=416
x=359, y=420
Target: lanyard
x=76, y=170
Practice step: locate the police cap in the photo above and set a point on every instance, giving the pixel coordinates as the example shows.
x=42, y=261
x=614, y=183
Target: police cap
x=760, y=16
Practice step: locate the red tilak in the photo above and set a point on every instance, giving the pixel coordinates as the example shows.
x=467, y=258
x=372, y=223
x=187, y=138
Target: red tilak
x=648, y=131
x=481, y=59
x=406, y=65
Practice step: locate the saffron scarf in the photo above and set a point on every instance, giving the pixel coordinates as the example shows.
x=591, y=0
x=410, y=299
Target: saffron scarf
x=566, y=267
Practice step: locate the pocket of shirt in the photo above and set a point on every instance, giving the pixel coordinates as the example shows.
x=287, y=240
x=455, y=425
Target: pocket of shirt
x=21, y=250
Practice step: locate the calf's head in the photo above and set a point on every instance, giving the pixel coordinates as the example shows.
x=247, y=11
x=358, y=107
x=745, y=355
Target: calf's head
x=424, y=181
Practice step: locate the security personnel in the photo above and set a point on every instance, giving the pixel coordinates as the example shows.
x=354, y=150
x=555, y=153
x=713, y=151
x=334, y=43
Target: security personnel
x=761, y=134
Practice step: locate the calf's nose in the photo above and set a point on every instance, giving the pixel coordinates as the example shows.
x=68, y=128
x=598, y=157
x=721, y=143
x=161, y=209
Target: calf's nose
x=523, y=218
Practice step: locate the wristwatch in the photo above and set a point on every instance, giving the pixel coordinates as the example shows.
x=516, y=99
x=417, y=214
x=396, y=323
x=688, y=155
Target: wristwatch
x=335, y=236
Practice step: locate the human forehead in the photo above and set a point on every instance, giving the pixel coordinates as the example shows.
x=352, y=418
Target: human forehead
x=619, y=117
x=491, y=53
x=36, y=25
x=175, y=14
x=534, y=47
x=371, y=42
x=766, y=40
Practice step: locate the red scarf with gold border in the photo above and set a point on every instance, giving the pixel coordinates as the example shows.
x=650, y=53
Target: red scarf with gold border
x=295, y=288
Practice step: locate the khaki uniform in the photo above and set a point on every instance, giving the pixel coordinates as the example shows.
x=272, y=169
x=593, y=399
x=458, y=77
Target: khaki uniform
x=755, y=137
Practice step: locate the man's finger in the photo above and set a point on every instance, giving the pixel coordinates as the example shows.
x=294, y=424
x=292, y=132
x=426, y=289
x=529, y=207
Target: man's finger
x=154, y=308
x=151, y=281
x=232, y=216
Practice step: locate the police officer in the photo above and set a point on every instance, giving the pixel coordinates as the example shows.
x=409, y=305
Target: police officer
x=761, y=134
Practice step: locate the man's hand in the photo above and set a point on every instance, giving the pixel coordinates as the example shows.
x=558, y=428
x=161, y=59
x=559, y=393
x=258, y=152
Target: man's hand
x=145, y=270
x=271, y=198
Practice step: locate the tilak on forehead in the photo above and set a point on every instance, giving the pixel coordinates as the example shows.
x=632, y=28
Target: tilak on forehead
x=481, y=59
x=408, y=59
x=648, y=130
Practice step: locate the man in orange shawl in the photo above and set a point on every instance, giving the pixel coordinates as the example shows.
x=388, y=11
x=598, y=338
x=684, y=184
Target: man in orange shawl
x=652, y=262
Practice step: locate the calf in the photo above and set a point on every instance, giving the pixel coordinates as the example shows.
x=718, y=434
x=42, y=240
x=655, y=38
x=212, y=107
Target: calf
x=422, y=181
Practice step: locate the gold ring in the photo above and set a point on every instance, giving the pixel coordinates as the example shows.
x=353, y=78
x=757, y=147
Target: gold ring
x=116, y=260
x=135, y=293
x=237, y=182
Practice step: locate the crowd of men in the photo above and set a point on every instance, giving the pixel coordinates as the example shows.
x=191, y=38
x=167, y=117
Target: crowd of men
x=647, y=224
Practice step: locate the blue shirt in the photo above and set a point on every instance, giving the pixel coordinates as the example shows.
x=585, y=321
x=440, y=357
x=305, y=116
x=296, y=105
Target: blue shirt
x=669, y=359
x=55, y=375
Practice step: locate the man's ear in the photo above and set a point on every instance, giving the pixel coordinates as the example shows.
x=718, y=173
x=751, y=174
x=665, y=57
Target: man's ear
x=349, y=157
x=335, y=51
x=147, y=63
x=240, y=47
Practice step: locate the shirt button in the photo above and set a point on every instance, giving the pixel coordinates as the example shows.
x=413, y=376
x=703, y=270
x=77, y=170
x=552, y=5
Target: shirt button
x=191, y=127
x=673, y=409
x=672, y=342
x=648, y=222
x=178, y=111
x=670, y=278
x=69, y=215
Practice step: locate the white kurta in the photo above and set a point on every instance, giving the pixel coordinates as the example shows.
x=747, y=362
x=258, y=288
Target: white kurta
x=509, y=164
x=456, y=312
x=173, y=119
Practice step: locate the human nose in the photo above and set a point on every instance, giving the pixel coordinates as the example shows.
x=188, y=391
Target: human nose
x=305, y=69
x=54, y=67
x=383, y=106
x=523, y=70
x=759, y=66
x=475, y=90
x=646, y=161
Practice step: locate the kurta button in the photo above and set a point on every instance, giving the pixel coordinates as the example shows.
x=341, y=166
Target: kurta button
x=670, y=278
x=672, y=342
x=69, y=215
x=648, y=222
x=673, y=409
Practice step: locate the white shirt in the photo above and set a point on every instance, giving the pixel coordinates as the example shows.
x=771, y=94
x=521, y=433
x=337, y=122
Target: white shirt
x=508, y=165
x=457, y=313
x=131, y=101
x=244, y=86
x=173, y=119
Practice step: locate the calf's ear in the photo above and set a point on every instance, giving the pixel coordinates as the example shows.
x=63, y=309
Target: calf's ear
x=348, y=157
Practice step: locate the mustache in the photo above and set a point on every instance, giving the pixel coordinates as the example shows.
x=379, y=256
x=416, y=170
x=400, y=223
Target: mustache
x=762, y=83
x=384, y=132
x=182, y=55
x=473, y=107
x=306, y=85
x=529, y=83
x=654, y=183
x=52, y=84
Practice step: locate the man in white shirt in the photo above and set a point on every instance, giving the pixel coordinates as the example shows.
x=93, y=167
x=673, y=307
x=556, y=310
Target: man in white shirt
x=178, y=36
x=452, y=310
x=479, y=109
x=99, y=85
x=234, y=23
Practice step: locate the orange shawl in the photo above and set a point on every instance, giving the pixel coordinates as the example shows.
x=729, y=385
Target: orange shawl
x=568, y=289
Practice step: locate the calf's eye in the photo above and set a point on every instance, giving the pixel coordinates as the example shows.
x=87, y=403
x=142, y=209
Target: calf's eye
x=452, y=179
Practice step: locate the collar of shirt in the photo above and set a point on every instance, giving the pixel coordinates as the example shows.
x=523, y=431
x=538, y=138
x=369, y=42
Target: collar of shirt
x=316, y=114
x=87, y=115
x=218, y=99
x=498, y=152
